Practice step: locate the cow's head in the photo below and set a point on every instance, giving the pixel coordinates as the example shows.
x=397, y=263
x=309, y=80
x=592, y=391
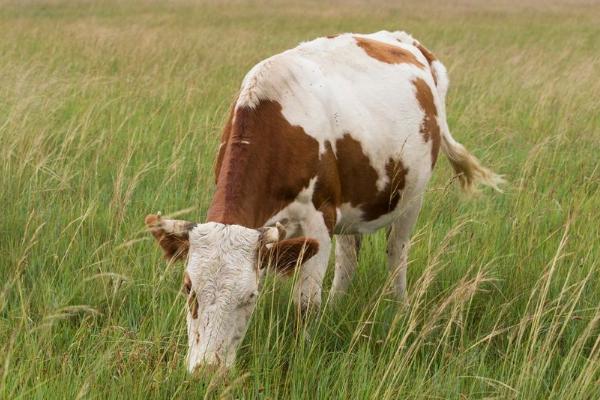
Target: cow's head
x=225, y=264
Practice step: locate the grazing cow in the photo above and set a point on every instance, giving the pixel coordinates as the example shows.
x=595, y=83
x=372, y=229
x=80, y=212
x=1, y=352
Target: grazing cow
x=337, y=136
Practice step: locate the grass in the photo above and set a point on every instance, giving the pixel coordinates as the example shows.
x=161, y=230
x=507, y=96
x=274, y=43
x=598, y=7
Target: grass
x=112, y=110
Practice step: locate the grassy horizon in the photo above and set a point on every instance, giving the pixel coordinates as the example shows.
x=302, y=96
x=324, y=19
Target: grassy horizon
x=112, y=110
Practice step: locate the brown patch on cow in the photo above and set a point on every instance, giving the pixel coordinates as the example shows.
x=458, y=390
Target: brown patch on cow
x=266, y=162
x=174, y=245
x=429, y=56
x=193, y=305
x=359, y=180
x=387, y=53
x=285, y=255
x=347, y=176
x=224, y=139
x=328, y=195
x=332, y=36
x=429, y=127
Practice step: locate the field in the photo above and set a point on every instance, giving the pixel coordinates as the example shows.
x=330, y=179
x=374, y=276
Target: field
x=112, y=110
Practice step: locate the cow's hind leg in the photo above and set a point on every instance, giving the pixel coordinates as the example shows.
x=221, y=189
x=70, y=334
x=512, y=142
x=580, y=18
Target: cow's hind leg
x=398, y=246
x=307, y=291
x=346, y=261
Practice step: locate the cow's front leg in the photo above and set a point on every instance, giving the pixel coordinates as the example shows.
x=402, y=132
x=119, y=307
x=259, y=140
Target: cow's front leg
x=307, y=292
x=346, y=261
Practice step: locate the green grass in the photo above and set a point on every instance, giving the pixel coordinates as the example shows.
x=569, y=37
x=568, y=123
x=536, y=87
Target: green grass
x=110, y=111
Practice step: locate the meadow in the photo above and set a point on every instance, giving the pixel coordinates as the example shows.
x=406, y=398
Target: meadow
x=112, y=110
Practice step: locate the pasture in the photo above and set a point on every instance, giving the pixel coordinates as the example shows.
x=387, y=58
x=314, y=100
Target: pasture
x=112, y=110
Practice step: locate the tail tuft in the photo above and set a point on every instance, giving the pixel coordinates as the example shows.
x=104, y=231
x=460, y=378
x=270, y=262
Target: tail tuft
x=469, y=170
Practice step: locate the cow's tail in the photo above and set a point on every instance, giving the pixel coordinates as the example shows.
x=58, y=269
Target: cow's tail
x=469, y=170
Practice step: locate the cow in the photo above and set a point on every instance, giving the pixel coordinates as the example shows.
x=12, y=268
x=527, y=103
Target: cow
x=337, y=136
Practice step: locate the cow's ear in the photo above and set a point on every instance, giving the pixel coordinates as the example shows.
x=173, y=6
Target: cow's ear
x=171, y=234
x=285, y=255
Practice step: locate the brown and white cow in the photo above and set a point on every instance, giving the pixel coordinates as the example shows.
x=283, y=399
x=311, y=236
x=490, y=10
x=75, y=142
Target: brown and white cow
x=337, y=136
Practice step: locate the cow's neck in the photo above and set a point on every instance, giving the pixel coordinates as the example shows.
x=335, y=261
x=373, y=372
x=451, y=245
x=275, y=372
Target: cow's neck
x=263, y=164
x=238, y=198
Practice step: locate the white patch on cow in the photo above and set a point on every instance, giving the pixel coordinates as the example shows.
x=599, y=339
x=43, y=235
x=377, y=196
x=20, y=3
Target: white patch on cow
x=352, y=220
x=349, y=219
x=222, y=269
x=332, y=87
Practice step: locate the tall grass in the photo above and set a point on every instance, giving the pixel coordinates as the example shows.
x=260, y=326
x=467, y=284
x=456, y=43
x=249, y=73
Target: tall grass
x=111, y=110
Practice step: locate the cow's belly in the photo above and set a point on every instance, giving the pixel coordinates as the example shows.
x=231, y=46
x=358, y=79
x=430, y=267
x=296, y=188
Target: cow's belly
x=353, y=219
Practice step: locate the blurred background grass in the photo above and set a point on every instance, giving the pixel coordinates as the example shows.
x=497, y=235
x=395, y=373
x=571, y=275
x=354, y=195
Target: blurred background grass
x=111, y=110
